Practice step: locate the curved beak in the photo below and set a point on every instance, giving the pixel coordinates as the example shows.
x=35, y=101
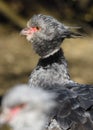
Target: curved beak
x=25, y=31
x=7, y=115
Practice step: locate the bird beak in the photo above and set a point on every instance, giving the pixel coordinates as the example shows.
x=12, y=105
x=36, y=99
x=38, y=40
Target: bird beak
x=25, y=31
x=8, y=115
x=3, y=119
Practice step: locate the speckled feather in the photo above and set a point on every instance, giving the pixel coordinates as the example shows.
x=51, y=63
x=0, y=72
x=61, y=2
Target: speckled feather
x=75, y=107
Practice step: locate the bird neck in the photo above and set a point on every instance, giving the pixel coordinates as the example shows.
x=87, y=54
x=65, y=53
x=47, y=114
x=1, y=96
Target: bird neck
x=50, y=54
x=58, y=65
x=57, y=57
x=51, y=70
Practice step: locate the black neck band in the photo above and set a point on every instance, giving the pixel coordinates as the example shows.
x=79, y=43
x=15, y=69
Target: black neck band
x=55, y=58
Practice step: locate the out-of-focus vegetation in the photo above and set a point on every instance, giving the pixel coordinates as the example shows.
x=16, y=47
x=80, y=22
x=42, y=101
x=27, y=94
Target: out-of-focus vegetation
x=73, y=11
x=17, y=58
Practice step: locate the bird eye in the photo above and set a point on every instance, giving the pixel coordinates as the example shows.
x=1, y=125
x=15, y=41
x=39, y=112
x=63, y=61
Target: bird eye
x=22, y=105
x=18, y=106
x=38, y=28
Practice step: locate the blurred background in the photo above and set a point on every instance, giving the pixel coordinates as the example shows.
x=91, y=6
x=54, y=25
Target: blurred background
x=17, y=58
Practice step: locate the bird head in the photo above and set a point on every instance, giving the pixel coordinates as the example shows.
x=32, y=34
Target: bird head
x=24, y=107
x=46, y=34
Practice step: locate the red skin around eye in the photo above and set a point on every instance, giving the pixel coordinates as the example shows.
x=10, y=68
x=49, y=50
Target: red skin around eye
x=32, y=30
x=29, y=30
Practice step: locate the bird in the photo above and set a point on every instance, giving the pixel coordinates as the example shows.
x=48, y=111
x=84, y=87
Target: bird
x=26, y=108
x=74, y=110
x=46, y=34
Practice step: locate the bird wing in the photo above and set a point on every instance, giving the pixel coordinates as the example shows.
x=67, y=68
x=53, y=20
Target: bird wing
x=74, y=107
x=85, y=97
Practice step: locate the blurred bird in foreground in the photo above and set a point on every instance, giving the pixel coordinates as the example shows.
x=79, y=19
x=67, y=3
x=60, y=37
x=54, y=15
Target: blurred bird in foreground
x=25, y=108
